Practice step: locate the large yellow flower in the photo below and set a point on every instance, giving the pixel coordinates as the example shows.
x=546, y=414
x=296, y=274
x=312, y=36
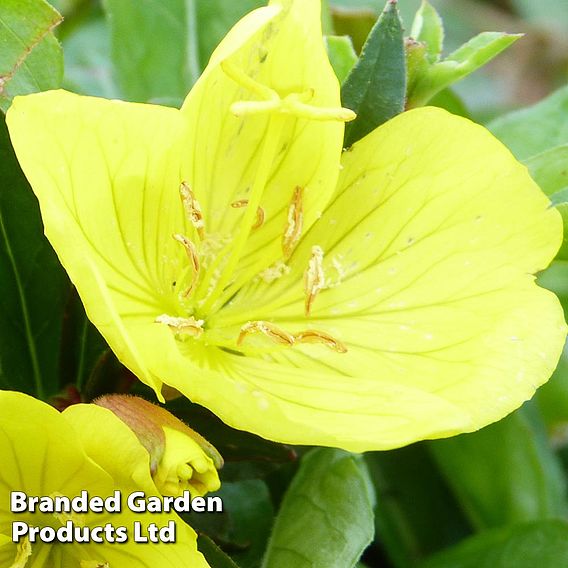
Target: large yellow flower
x=362, y=300
x=48, y=454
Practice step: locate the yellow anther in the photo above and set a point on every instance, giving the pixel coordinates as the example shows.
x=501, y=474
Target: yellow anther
x=270, y=101
x=268, y=329
x=294, y=223
x=192, y=209
x=190, y=250
x=314, y=278
x=186, y=326
x=313, y=336
x=23, y=552
x=94, y=564
x=260, y=215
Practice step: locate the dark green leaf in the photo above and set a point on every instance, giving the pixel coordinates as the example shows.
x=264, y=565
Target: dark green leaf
x=214, y=555
x=505, y=473
x=537, y=128
x=88, y=65
x=341, y=55
x=326, y=518
x=376, y=87
x=30, y=57
x=244, y=527
x=34, y=286
x=154, y=47
x=410, y=493
x=542, y=544
x=82, y=345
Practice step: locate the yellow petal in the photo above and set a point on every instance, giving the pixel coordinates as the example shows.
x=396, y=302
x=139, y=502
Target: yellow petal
x=112, y=445
x=303, y=406
x=41, y=454
x=280, y=49
x=107, y=174
x=429, y=245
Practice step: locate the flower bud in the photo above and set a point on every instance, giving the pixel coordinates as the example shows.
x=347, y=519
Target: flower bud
x=180, y=459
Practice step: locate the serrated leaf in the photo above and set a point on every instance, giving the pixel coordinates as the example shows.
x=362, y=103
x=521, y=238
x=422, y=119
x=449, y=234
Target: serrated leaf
x=326, y=517
x=465, y=60
x=408, y=502
x=34, y=286
x=504, y=473
x=341, y=54
x=31, y=59
x=154, y=47
x=535, y=129
x=376, y=87
x=550, y=170
x=543, y=544
x=428, y=28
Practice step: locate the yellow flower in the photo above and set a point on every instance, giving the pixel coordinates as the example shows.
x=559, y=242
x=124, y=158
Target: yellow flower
x=364, y=299
x=48, y=454
x=180, y=459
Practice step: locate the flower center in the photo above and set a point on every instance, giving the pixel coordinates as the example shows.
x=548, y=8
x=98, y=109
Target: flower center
x=206, y=284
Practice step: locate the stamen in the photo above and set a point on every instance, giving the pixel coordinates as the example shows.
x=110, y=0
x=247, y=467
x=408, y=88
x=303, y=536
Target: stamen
x=313, y=336
x=294, y=223
x=192, y=209
x=269, y=329
x=260, y=215
x=187, y=326
x=190, y=250
x=94, y=564
x=23, y=552
x=314, y=278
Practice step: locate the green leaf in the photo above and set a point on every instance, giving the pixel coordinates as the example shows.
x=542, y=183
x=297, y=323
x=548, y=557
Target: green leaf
x=34, y=286
x=216, y=17
x=535, y=129
x=82, y=345
x=550, y=170
x=408, y=502
x=376, y=87
x=326, y=518
x=214, y=555
x=88, y=65
x=428, y=28
x=543, y=544
x=245, y=523
x=154, y=47
x=450, y=101
x=31, y=59
x=462, y=62
x=505, y=473
x=341, y=55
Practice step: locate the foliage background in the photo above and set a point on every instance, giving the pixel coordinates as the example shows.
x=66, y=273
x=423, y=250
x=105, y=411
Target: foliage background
x=496, y=498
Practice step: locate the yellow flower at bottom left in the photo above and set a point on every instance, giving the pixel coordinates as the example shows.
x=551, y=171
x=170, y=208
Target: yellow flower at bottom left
x=45, y=453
